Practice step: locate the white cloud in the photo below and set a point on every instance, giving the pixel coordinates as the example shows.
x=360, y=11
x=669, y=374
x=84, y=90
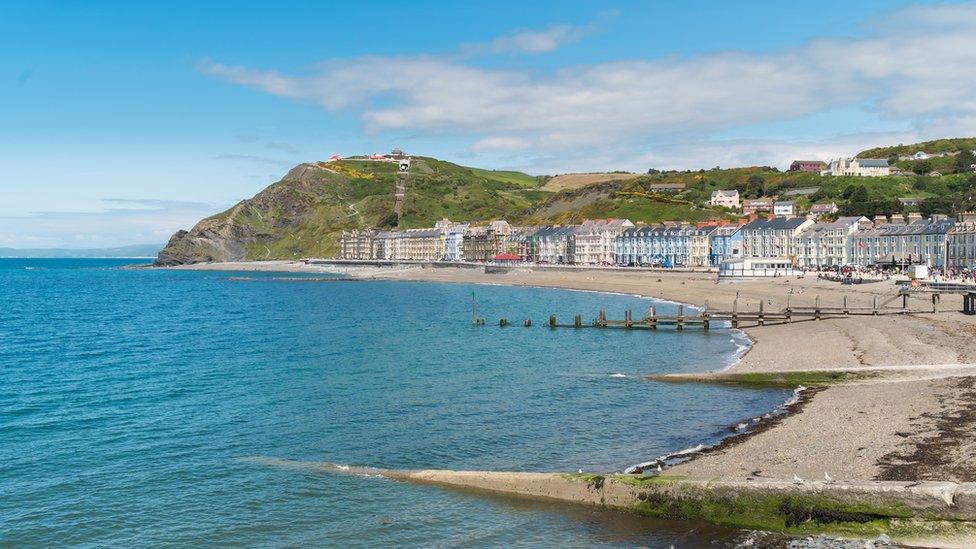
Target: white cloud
x=531, y=41
x=913, y=66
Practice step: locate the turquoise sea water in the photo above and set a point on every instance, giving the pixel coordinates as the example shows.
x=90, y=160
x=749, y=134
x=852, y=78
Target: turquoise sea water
x=143, y=408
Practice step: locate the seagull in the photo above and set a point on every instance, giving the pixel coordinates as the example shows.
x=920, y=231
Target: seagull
x=580, y=471
x=659, y=468
x=827, y=478
x=797, y=479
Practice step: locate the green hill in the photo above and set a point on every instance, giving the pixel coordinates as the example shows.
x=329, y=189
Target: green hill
x=932, y=147
x=304, y=214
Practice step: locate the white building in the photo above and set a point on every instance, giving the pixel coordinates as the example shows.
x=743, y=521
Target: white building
x=784, y=208
x=827, y=244
x=776, y=237
x=594, y=242
x=725, y=199
x=861, y=167
x=453, y=239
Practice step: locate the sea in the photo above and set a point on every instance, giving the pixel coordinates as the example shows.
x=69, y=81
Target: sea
x=164, y=408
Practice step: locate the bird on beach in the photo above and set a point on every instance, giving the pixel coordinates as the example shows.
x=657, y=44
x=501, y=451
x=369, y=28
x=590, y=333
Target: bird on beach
x=797, y=479
x=580, y=471
x=659, y=468
x=827, y=478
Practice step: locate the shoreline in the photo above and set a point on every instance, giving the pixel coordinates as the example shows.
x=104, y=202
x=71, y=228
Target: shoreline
x=882, y=382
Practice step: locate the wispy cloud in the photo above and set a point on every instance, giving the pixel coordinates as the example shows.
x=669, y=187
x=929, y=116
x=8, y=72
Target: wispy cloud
x=530, y=41
x=121, y=222
x=913, y=66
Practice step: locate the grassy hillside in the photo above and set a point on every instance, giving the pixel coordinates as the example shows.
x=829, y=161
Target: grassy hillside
x=931, y=147
x=304, y=214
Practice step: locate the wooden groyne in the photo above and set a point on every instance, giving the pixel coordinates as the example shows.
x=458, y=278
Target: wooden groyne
x=737, y=315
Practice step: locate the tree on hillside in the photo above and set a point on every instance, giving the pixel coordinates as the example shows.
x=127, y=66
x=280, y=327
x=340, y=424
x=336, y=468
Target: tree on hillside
x=922, y=167
x=871, y=208
x=754, y=185
x=964, y=161
x=855, y=193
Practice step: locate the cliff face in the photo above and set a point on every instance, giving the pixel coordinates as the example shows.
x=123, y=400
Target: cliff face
x=242, y=231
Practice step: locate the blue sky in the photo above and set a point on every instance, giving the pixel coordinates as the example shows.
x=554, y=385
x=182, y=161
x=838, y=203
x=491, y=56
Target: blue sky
x=124, y=121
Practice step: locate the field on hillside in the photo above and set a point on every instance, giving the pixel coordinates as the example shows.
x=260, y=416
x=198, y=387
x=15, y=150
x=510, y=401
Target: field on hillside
x=572, y=181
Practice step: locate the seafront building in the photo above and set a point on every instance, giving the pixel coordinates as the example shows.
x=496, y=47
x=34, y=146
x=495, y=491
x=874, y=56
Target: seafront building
x=550, y=245
x=961, y=242
x=919, y=240
x=419, y=245
x=483, y=243
x=453, y=238
x=772, y=238
x=668, y=246
x=725, y=243
x=358, y=244
x=936, y=242
x=594, y=241
x=826, y=244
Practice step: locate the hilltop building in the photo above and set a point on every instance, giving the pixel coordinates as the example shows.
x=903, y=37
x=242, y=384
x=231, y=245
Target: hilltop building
x=861, y=167
x=784, y=208
x=725, y=199
x=828, y=208
x=815, y=166
x=756, y=205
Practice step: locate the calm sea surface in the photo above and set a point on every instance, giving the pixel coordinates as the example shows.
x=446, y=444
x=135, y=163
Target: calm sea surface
x=142, y=408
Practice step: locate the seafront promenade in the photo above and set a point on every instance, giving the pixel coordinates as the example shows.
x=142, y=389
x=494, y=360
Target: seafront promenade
x=902, y=412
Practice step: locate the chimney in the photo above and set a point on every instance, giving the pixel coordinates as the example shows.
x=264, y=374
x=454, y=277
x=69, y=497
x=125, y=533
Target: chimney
x=965, y=217
x=880, y=220
x=914, y=217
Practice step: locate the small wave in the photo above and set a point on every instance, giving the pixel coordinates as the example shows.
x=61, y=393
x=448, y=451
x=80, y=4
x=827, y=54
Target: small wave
x=618, y=375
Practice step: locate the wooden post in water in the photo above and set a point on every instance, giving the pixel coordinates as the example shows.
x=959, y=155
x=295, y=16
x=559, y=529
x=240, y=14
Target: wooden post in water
x=578, y=321
x=552, y=321
x=680, y=325
x=652, y=318
x=527, y=323
x=762, y=316
x=474, y=310
x=503, y=322
x=629, y=318
x=735, y=313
